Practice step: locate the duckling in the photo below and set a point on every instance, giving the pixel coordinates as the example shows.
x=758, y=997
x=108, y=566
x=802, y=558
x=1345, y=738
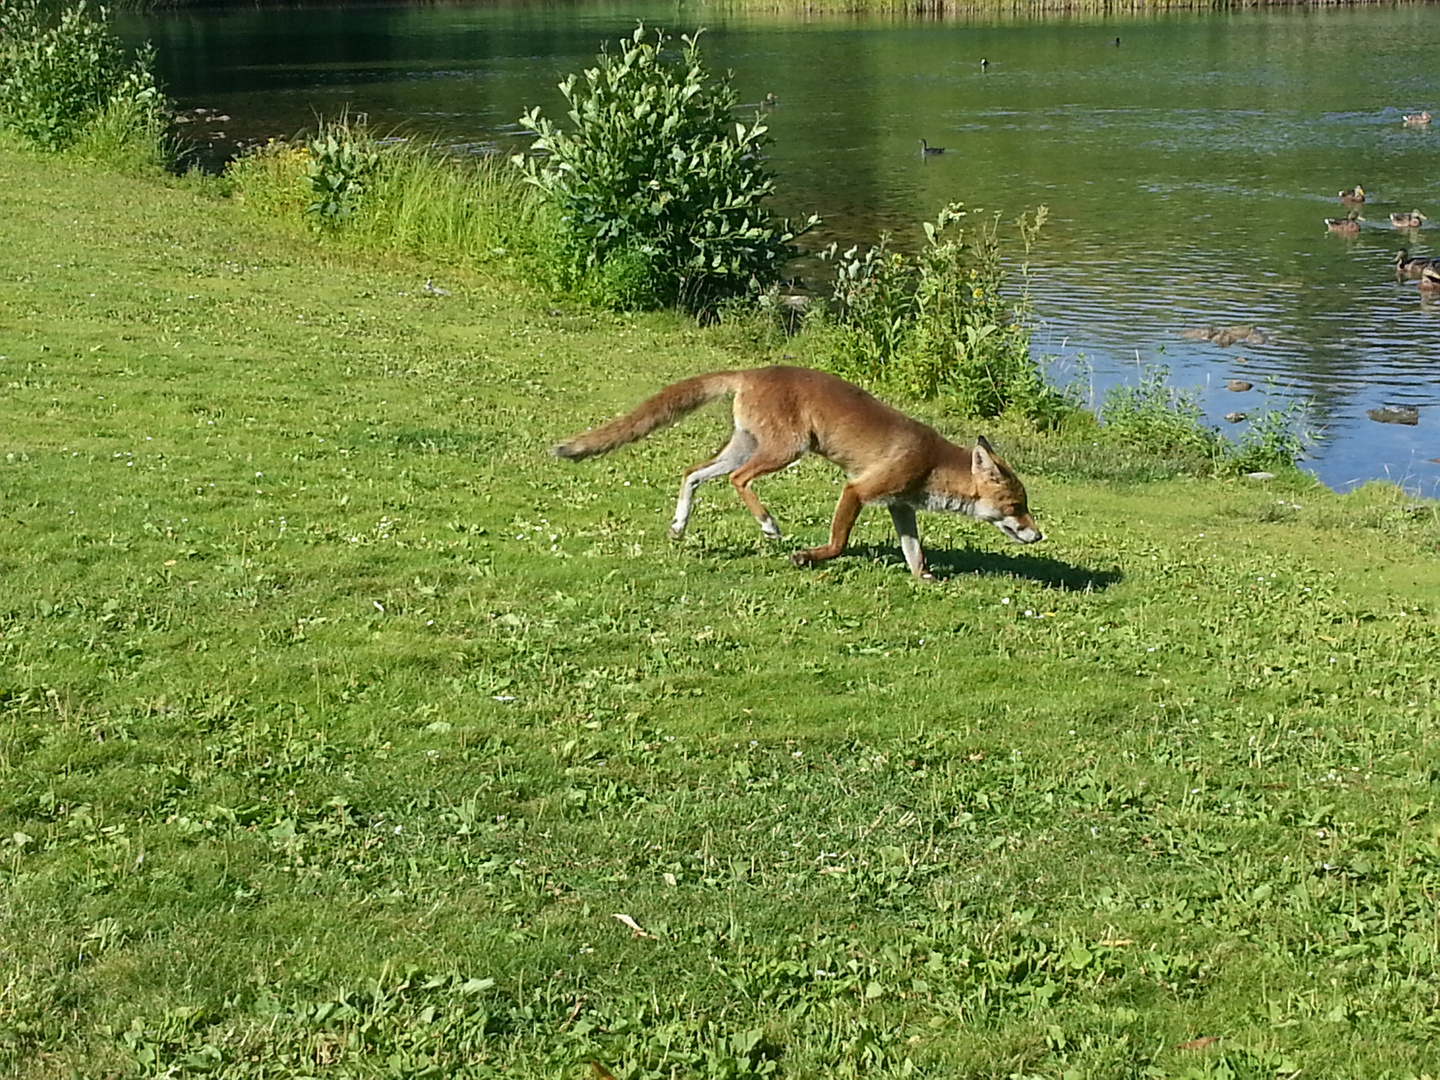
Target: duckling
x=1354, y=197
x=1349, y=225
x=1420, y=119
x=926, y=150
x=1407, y=267
x=1413, y=220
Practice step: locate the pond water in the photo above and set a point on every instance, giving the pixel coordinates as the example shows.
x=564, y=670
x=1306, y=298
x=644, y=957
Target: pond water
x=1187, y=168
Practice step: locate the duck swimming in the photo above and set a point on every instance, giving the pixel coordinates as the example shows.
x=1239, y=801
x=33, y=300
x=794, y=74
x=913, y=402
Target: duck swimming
x=1354, y=197
x=926, y=150
x=1413, y=220
x=1349, y=225
x=1420, y=119
x=1407, y=267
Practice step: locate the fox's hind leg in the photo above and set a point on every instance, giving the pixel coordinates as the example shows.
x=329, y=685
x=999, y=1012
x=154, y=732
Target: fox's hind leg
x=739, y=450
x=765, y=460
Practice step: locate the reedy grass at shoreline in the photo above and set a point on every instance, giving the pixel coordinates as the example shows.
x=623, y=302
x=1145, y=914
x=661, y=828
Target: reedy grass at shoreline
x=916, y=8
x=336, y=720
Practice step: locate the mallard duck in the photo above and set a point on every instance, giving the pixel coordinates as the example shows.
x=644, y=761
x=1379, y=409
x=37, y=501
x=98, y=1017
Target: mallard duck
x=1430, y=279
x=926, y=150
x=1349, y=225
x=1354, y=197
x=1413, y=220
x=1408, y=267
x=1420, y=119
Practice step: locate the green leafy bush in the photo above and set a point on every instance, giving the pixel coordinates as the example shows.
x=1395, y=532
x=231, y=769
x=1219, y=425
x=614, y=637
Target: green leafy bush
x=343, y=155
x=59, y=78
x=937, y=323
x=656, y=167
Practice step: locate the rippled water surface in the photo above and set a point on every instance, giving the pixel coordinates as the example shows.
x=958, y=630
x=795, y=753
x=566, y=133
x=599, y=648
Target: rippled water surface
x=1188, y=168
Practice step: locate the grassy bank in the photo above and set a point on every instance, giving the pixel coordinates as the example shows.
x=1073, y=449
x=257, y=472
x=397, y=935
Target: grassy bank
x=338, y=722
x=927, y=8
x=1021, y=9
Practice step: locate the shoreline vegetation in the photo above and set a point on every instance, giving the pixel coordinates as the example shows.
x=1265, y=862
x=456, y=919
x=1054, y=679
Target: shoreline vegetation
x=343, y=731
x=925, y=9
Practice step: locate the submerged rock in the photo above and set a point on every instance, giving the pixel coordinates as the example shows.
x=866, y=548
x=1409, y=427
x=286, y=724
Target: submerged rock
x=1395, y=414
x=1225, y=336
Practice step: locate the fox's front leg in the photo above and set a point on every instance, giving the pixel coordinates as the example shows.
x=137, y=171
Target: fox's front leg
x=846, y=511
x=909, y=532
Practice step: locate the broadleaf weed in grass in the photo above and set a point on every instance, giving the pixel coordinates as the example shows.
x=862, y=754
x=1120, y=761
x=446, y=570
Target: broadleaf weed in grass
x=343, y=156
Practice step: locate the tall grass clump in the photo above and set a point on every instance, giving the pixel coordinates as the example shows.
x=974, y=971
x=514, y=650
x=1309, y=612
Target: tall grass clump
x=1159, y=418
x=397, y=195
x=938, y=324
x=658, y=188
x=67, y=84
x=424, y=200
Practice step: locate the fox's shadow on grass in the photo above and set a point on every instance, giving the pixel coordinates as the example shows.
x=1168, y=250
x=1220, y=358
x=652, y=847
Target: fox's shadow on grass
x=951, y=563
x=1041, y=569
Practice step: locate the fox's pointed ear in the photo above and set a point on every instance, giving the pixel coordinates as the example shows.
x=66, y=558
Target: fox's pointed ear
x=982, y=458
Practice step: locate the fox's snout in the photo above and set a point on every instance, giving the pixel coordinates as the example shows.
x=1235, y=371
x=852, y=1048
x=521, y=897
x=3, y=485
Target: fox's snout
x=1021, y=530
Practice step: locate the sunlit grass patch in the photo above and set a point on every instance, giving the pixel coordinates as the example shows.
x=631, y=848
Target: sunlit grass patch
x=338, y=721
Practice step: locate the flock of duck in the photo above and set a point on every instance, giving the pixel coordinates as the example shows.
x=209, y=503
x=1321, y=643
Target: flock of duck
x=1414, y=268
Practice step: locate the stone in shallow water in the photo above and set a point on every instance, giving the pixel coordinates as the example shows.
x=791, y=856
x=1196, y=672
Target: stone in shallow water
x=1225, y=336
x=1395, y=414
x=1238, y=385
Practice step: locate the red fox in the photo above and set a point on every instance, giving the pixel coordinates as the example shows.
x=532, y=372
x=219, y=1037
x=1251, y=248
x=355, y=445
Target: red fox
x=782, y=413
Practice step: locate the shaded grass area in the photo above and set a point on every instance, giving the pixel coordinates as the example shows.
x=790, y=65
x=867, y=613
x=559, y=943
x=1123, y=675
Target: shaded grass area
x=338, y=722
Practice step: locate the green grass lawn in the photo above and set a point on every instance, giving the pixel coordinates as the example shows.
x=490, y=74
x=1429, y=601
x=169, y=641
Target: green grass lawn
x=338, y=721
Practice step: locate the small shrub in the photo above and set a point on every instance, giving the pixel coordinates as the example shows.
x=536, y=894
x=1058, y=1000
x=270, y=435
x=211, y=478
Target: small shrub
x=656, y=166
x=133, y=130
x=937, y=324
x=59, y=79
x=1159, y=417
x=1273, y=439
x=343, y=156
x=1156, y=417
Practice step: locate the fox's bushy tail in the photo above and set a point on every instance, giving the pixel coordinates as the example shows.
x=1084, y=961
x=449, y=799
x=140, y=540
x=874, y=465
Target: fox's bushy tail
x=666, y=407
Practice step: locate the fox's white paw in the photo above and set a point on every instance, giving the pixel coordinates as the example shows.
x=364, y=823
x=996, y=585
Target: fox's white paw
x=677, y=530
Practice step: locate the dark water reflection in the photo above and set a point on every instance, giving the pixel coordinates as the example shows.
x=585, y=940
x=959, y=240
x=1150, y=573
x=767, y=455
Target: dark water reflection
x=1187, y=170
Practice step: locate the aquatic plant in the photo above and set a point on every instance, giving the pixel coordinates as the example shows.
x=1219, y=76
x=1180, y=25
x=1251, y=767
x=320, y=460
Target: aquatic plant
x=655, y=168
x=59, y=78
